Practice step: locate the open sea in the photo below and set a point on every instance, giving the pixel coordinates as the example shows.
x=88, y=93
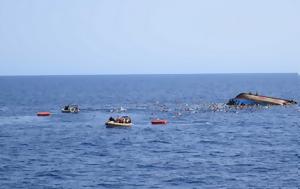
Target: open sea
x=205, y=144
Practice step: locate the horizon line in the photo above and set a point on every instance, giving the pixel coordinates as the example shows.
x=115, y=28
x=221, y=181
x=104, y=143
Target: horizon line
x=129, y=74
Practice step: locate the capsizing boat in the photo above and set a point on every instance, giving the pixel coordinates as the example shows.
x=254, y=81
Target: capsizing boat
x=249, y=99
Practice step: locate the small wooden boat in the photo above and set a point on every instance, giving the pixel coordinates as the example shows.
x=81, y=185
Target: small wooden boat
x=249, y=99
x=159, y=122
x=43, y=114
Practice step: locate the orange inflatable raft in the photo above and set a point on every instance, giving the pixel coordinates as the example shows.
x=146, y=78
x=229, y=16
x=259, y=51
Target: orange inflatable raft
x=43, y=114
x=159, y=122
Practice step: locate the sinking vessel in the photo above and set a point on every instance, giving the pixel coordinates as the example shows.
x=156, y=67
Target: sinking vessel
x=249, y=99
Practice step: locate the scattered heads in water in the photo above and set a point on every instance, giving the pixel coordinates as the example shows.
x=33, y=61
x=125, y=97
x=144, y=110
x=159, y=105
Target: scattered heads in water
x=118, y=110
x=243, y=101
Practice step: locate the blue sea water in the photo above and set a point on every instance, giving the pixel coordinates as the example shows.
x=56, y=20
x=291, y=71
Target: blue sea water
x=199, y=148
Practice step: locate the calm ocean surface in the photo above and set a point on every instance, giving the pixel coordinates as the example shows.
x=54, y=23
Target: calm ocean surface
x=199, y=148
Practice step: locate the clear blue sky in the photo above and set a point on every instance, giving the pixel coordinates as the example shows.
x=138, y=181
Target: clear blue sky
x=40, y=37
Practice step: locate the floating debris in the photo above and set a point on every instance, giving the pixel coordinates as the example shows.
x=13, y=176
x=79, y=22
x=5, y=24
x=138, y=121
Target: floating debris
x=118, y=110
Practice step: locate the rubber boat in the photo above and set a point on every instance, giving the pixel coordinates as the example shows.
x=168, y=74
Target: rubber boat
x=43, y=114
x=249, y=99
x=123, y=121
x=159, y=122
x=116, y=124
x=70, y=109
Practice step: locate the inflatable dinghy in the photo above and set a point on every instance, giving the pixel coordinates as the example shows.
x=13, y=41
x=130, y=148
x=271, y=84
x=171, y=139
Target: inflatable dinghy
x=43, y=114
x=159, y=122
x=70, y=109
x=124, y=121
x=116, y=124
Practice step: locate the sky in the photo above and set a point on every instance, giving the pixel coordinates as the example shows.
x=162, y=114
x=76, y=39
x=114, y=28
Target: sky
x=83, y=37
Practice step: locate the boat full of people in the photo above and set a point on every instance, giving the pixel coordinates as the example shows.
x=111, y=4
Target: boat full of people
x=71, y=108
x=123, y=121
x=250, y=99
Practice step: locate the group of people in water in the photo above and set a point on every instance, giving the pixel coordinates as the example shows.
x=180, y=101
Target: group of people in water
x=241, y=101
